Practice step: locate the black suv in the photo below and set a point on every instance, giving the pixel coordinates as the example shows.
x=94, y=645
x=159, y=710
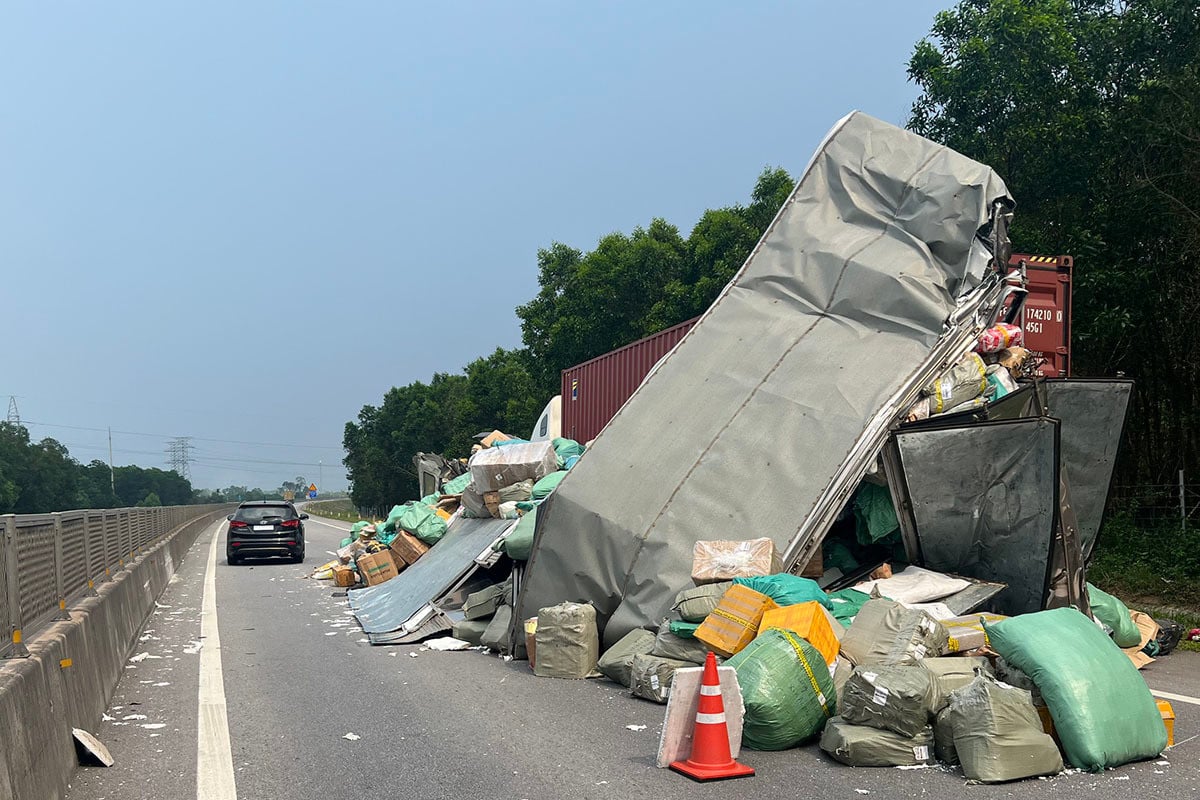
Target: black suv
x=265, y=528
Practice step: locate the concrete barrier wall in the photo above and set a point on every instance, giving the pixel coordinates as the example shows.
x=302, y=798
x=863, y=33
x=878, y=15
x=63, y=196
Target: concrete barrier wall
x=41, y=700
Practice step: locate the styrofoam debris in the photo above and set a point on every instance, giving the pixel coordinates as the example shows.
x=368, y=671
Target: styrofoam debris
x=446, y=643
x=129, y=717
x=412, y=655
x=107, y=718
x=140, y=657
x=332, y=633
x=153, y=726
x=354, y=737
x=863, y=791
x=635, y=727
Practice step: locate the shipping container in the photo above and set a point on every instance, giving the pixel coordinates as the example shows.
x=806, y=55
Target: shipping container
x=592, y=392
x=1046, y=317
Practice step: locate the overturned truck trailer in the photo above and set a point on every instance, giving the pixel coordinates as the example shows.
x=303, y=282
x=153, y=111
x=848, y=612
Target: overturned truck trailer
x=881, y=268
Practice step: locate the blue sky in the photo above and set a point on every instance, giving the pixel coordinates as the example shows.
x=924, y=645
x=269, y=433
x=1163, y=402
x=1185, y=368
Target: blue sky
x=244, y=221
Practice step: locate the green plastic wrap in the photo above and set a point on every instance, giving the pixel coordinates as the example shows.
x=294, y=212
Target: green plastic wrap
x=1103, y=711
x=786, y=688
x=389, y=525
x=518, y=543
x=565, y=449
x=543, y=488
x=684, y=630
x=431, y=499
x=874, y=514
x=1115, y=614
x=786, y=589
x=846, y=604
x=422, y=522
x=358, y=526
x=456, y=485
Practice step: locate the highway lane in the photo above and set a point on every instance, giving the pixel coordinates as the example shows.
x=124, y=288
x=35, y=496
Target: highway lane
x=298, y=675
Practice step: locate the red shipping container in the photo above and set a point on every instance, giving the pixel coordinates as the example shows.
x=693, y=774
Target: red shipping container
x=1046, y=316
x=593, y=392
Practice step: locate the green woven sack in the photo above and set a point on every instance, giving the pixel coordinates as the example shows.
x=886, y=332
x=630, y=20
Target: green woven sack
x=543, y=488
x=846, y=604
x=787, y=589
x=1115, y=614
x=518, y=544
x=456, y=485
x=566, y=448
x=1103, y=711
x=422, y=522
x=786, y=688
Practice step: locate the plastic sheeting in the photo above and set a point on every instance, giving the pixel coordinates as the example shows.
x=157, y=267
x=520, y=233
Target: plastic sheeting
x=797, y=368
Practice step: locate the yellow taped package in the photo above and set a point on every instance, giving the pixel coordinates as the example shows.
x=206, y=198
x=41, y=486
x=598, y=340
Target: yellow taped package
x=733, y=624
x=809, y=621
x=966, y=632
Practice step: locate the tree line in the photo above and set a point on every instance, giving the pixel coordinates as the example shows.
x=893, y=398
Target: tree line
x=41, y=477
x=1090, y=111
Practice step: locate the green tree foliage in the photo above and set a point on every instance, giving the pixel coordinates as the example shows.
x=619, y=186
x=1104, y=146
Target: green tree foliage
x=1090, y=110
x=629, y=286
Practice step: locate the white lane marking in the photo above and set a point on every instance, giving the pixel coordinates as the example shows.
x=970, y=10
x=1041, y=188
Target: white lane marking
x=1182, y=698
x=214, y=756
x=330, y=524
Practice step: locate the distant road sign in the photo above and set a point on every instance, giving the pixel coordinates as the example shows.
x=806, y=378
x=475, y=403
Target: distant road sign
x=312, y=495
x=312, y=487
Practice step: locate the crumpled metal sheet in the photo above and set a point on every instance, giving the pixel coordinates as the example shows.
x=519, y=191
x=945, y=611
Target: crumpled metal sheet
x=390, y=606
x=985, y=503
x=742, y=430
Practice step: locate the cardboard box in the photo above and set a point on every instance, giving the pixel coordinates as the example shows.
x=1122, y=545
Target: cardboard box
x=531, y=641
x=492, y=501
x=344, y=576
x=408, y=547
x=724, y=561
x=375, y=568
x=496, y=467
x=810, y=621
x=733, y=624
x=1168, y=718
x=493, y=437
x=1148, y=628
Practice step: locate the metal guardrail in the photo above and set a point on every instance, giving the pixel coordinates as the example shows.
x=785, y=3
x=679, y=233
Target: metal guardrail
x=48, y=561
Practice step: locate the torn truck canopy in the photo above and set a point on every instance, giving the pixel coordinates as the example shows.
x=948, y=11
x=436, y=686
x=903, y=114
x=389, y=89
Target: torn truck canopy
x=984, y=501
x=874, y=275
x=1092, y=412
x=397, y=609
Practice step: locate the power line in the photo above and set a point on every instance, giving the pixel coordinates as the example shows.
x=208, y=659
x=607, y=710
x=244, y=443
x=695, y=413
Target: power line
x=195, y=438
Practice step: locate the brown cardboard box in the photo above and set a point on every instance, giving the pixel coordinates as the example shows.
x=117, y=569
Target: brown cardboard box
x=724, y=561
x=1149, y=629
x=492, y=501
x=376, y=568
x=407, y=548
x=344, y=576
x=733, y=624
x=493, y=437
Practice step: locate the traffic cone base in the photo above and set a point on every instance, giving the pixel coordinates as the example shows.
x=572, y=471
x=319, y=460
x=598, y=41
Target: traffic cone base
x=711, y=759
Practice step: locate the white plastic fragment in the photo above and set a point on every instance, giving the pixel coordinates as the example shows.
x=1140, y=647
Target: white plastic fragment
x=635, y=727
x=153, y=726
x=412, y=655
x=863, y=791
x=139, y=658
x=446, y=643
x=354, y=737
x=129, y=717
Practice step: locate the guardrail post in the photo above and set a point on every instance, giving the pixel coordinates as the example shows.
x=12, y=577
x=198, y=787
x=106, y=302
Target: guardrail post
x=90, y=591
x=14, y=591
x=59, y=582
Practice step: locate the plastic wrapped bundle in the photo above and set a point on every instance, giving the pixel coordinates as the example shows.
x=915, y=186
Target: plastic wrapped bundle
x=693, y=605
x=722, y=561
x=568, y=645
x=953, y=673
x=668, y=645
x=864, y=746
x=997, y=734
x=898, y=699
x=1103, y=711
x=650, y=676
x=617, y=662
x=886, y=633
x=786, y=688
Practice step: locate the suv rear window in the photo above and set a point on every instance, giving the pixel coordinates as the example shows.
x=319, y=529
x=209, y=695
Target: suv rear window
x=257, y=513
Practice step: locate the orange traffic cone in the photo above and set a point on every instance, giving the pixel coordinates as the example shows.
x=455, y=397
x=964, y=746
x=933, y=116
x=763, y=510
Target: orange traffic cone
x=710, y=758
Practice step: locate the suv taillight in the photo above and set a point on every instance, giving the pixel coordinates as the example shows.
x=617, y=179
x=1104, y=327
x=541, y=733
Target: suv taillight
x=291, y=523
x=237, y=523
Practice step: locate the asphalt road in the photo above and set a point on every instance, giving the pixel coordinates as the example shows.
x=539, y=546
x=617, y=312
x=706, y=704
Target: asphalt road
x=299, y=676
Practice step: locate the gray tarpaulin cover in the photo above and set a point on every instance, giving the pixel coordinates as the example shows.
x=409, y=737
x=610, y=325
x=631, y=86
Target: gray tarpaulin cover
x=832, y=315
x=390, y=606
